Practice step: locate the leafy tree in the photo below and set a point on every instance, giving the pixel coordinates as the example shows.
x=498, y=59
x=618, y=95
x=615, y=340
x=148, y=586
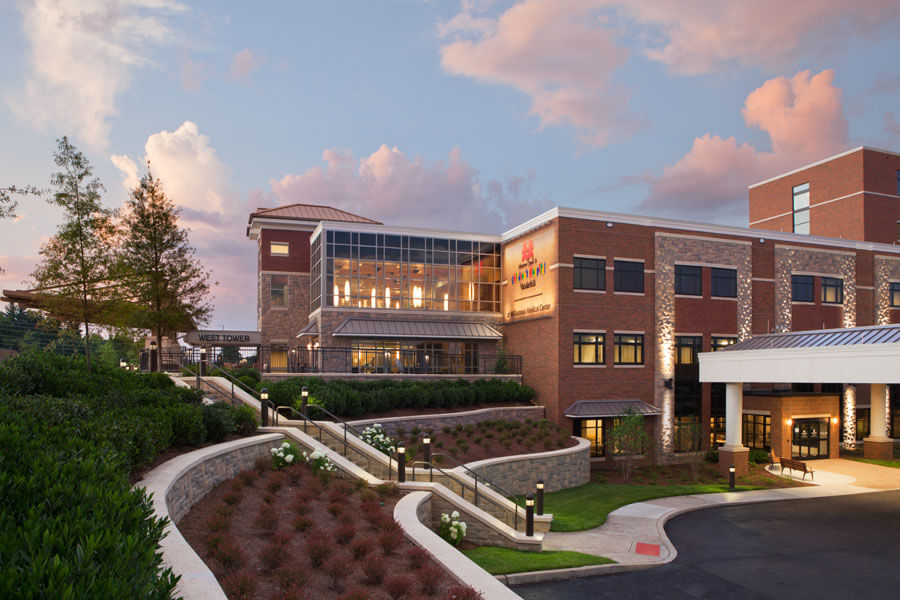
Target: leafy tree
x=161, y=274
x=77, y=261
x=629, y=440
x=8, y=205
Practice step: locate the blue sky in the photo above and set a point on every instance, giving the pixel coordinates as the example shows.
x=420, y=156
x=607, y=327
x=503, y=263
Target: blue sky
x=472, y=115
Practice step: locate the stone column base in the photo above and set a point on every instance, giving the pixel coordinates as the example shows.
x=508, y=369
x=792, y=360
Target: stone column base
x=737, y=456
x=880, y=448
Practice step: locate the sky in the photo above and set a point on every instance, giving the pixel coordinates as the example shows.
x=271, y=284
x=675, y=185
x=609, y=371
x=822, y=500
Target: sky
x=472, y=116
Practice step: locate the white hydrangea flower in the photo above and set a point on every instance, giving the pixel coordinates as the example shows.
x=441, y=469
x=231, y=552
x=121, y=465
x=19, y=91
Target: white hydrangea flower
x=274, y=450
x=453, y=533
x=454, y=515
x=289, y=458
x=445, y=518
x=286, y=445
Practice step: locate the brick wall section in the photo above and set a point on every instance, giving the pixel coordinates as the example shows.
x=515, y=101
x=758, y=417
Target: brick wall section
x=560, y=469
x=783, y=408
x=188, y=489
x=297, y=260
x=436, y=422
x=281, y=325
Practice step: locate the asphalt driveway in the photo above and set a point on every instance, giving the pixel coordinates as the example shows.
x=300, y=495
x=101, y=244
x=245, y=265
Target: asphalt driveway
x=842, y=547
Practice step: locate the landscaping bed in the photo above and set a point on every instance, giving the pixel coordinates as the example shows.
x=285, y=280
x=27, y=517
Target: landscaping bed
x=293, y=534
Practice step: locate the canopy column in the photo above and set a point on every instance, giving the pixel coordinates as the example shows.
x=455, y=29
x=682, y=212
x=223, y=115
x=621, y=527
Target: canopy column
x=878, y=444
x=734, y=452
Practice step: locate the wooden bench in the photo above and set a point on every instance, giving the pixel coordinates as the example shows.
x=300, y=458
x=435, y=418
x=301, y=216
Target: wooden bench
x=797, y=465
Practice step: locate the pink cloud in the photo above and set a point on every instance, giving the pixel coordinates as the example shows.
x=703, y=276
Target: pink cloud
x=804, y=119
x=193, y=73
x=561, y=54
x=891, y=127
x=243, y=63
x=390, y=187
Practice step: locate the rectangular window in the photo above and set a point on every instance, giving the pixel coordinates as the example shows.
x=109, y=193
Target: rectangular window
x=688, y=434
x=716, y=432
x=278, y=248
x=278, y=291
x=687, y=347
x=592, y=431
x=629, y=276
x=801, y=208
x=720, y=343
x=629, y=348
x=590, y=273
x=895, y=294
x=832, y=290
x=589, y=349
x=723, y=283
x=898, y=182
x=757, y=430
x=802, y=288
x=688, y=280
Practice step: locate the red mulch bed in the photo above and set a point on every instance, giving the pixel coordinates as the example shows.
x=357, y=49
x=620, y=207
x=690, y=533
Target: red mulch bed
x=289, y=535
x=409, y=412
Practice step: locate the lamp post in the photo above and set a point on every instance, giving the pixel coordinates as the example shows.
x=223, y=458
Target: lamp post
x=304, y=399
x=401, y=462
x=202, y=370
x=427, y=442
x=264, y=406
x=540, y=496
x=529, y=515
x=153, y=364
x=123, y=363
x=731, y=478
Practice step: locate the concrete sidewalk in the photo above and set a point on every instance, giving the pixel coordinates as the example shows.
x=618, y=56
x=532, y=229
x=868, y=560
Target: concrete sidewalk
x=634, y=535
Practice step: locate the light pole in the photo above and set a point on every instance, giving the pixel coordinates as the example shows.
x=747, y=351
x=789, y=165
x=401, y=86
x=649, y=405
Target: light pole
x=401, y=462
x=202, y=369
x=529, y=515
x=264, y=406
x=427, y=442
x=540, y=496
x=153, y=364
x=304, y=401
x=731, y=478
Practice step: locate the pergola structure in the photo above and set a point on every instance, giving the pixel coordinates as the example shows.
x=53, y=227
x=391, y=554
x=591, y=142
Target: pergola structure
x=856, y=355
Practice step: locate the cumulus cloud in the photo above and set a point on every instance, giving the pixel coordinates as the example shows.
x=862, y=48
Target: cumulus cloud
x=803, y=117
x=561, y=54
x=390, y=187
x=82, y=56
x=243, y=64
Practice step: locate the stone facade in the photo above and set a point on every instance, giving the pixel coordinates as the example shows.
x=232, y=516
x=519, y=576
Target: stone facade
x=280, y=325
x=887, y=269
x=560, y=469
x=476, y=532
x=436, y=422
x=792, y=260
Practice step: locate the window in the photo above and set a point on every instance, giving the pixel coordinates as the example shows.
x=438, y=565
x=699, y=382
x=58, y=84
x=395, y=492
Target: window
x=832, y=290
x=723, y=283
x=802, y=288
x=716, y=432
x=592, y=431
x=278, y=291
x=687, y=347
x=590, y=273
x=895, y=294
x=629, y=276
x=757, y=429
x=278, y=248
x=688, y=280
x=589, y=349
x=898, y=182
x=720, y=343
x=688, y=434
x=801, y=208
x=629, y=348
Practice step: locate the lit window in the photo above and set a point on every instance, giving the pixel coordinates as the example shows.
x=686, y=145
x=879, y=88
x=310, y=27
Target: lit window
x=832, y=290
x=629, y=276
x=801, y=208
x=278, y=248
x=590, y=273
x=895, y=294
x=629, y=348
x=723, y=283
x=278, y=291
x=802, y=288
x=720, y=343
x=589, y=349
x=688, y=280
x=592, y=431
x=687, y=347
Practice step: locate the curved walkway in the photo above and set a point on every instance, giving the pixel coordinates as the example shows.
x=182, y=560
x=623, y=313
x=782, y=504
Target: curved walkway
x=635, y=538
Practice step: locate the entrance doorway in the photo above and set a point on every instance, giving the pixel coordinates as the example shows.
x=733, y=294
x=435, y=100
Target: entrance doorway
x=809, y=438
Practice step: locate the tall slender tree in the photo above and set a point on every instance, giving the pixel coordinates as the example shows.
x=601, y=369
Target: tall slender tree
x=75, y=270
x=161, y=273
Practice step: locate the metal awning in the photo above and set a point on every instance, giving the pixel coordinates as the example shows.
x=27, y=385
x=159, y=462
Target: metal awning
x=597, y=409
x=397, y=328
x=311, y=330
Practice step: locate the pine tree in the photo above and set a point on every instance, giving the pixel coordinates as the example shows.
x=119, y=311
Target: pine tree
x=161, y=273
x=76, y=268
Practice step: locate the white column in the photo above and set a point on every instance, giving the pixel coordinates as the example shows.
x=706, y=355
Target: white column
x=878, y=413
x=734, y=410
x=849, y=409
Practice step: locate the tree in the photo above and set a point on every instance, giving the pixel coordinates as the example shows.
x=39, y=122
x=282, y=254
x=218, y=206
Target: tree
x=161, y=274
x=629, y=440
x=76, y=267
x=8, y=205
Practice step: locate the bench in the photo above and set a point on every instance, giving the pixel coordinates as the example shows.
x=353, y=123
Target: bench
x=797, y=465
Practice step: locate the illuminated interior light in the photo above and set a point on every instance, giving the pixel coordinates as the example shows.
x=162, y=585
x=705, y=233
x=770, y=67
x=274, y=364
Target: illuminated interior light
x=373, y=297
x=398, y=304
x=387, y=297
x=446, y=301
x=347, y=291
x=337, y=296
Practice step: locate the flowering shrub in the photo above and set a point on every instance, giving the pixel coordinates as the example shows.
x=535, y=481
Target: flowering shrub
x=452, y=529
x=378, y=439
x=284, y=455
x=319, y=462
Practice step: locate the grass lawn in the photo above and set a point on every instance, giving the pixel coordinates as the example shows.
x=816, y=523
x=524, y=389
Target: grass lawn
x=894, y=464
x=501, y=561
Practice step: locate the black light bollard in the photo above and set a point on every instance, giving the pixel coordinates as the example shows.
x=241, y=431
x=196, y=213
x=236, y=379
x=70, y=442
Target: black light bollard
x=401, y=462
x=540, y=496
x=529, y=515
x=427, y=442
x=154, y=365
x=731, y=478
x=202, y=362
x=304, y=399
x=264, y=406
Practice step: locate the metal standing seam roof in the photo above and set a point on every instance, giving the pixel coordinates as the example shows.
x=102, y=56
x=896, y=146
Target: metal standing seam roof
x=311, y=329
x=396, y=328
x=310, y=212
x=610, y=408
x=850, y=336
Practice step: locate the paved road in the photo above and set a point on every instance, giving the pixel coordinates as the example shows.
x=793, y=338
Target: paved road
x=822, y=548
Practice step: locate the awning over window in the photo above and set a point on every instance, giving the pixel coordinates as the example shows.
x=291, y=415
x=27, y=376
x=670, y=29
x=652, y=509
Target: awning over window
x=397, y=328
x=311, y=330
x=598, y=409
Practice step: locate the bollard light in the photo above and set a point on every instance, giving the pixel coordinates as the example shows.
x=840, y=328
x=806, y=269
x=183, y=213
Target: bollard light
x=426, y=440
x=264, y=406
x=123, y=363
x=202, y=369
x=540, y=496
x=529, y=515
x=304, y=397
x=401, y=462
x=731, y=478
x=154, y=365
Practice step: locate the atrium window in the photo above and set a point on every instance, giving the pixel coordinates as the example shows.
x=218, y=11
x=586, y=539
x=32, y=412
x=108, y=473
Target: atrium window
x=801, y=208
x=589, y=349
x=629, y=276
x=723, y=283
x=832, y=290
x=590, y=273
x=688, y=280
x=802, y=288
x=629, y=348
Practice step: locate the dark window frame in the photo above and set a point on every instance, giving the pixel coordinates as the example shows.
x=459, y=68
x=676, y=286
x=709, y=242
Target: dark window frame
x=832, y=283
x=627, y=277
x=894, y=294
x=688, y=280
x=803, y=288
x=629, y=340
x=801, y=215
x=722, y=282
x=598, y=447
x=583, y=267
x=287, y=245
x=283, y=288
x=758, y=426
x=599, y=344
x=720, y=342
x=694, y=344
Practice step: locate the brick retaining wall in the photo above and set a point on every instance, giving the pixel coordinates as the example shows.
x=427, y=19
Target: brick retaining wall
x=435, y=422
x=560, y=469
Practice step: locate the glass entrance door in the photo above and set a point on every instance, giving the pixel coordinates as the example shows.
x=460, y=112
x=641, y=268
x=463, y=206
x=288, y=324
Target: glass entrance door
x=809, y=439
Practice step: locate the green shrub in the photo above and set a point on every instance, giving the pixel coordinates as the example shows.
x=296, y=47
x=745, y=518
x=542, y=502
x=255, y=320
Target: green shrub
x=758, y=456
x=245, y=420
x=218, y=419
x=187, y=425
x=712, y=456
x=248, y=381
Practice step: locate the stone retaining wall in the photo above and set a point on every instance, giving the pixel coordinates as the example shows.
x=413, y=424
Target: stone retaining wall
x=560, y=469
x=436, y=422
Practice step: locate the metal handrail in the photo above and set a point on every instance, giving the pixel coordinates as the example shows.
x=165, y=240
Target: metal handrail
x=201, y=381
x=320, y=430
x=476, y=476
x=234, y=380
